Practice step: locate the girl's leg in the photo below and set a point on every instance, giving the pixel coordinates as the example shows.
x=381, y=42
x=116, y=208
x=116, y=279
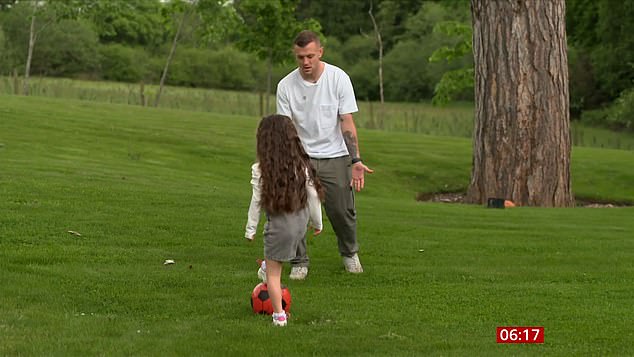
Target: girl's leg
x=274, y=283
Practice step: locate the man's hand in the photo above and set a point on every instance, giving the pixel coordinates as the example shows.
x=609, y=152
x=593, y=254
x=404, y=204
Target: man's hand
x=250, y=239
x=316, y=232
x=358, y=171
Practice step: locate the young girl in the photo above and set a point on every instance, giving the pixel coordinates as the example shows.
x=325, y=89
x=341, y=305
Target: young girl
x=285, y=185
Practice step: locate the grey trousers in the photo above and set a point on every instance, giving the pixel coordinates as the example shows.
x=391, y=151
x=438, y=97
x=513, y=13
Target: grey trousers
x=335, y=175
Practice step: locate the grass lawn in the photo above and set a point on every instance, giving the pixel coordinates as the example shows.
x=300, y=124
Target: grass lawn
x=454, y=120
x=142, y=185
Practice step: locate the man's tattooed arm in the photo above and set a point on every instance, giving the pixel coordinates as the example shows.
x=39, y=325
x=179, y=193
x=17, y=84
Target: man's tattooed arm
x=351, y=143
x=358, y=168
x=350, y=135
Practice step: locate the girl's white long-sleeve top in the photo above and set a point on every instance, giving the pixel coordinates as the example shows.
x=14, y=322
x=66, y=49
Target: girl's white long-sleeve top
x=314, y=206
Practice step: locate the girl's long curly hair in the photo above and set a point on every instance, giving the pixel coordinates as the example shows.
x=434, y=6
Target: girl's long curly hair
x=283, y=166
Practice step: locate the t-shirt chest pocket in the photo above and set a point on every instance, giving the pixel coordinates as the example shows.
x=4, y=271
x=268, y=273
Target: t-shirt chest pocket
x=327, y=115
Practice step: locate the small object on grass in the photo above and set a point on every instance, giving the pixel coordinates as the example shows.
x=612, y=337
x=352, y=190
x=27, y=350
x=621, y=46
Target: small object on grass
x=421, y=250
x=169, y=262
x=495, y=202
x=75, y=233
x=508, y=204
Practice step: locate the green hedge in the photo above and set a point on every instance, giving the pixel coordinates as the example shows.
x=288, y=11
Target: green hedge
x=618, y=116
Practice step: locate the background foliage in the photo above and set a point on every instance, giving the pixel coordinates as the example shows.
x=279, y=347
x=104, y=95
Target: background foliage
x=129, y=40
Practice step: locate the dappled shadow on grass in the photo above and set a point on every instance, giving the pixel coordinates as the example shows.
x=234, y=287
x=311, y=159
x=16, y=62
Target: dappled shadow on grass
x=446, y=197
x=459, y=197
x=601, y=203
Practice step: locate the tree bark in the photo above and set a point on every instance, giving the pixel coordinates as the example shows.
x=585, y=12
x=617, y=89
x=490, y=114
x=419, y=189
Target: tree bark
x=269, y=75
x=29, y=56
x=169, y=58
x=521, y=144
x=380, y=43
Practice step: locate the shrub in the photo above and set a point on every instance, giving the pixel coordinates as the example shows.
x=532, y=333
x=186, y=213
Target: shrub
x=357, y=48
x=67, y=49
x=365, y=79
x=618, y=116
x=621, y=113
x=584, y=89
x=4, y=58
x=226, y=68
x=596, y=117
x=408, y=75
x=123, y=63
x=333, y=53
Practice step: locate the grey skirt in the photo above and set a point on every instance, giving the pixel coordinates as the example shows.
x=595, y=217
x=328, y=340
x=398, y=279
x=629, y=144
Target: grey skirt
x=283, y=233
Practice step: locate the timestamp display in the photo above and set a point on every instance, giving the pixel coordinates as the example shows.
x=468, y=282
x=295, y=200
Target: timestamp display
x=520, y=334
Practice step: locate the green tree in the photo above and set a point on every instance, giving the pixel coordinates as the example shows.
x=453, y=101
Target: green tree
x=69, y=48
x=599, y=33
x=226, y=68
x=614, y=55
x=392, y=18
x=187, y=9
x=5, y=66
x=407, y=77
x=41, y=16
x=123, y=63
x=581, y=22
x=207, y=17
x=130, y=22
x=379, y=43
x=454, y=82
x=337, y=18
x=6, y=4
x=267, y=29
x=44, y=38
x=357, y=48
x=344, y=19
x=218, y=21
x=15, y=25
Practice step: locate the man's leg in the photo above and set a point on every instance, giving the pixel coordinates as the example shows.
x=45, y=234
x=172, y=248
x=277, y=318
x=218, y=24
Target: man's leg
x=335, y=176
x=301, y=259
x=299, y=264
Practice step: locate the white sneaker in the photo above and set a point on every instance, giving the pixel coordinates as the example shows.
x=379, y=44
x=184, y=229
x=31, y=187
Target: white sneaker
x=298, y=273
x=262, y=271
x=262, y=275
x=279, y=320
x=352, y=264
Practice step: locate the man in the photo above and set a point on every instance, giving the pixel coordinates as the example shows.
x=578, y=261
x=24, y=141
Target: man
x=320, y=99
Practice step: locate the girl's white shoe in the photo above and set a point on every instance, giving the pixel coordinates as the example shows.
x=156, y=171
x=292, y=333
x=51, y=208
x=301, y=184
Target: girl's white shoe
x=279, y=319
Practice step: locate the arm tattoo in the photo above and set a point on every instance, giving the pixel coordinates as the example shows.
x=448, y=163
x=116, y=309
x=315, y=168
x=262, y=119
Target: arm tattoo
x=351, y=143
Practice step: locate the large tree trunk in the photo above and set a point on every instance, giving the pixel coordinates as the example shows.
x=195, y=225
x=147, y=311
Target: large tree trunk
x=521, y=144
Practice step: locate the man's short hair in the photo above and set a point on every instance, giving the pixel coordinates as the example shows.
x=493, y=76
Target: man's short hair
x=305, y=37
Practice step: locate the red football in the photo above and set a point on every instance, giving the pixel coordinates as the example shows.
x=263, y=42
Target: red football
x=261, y=302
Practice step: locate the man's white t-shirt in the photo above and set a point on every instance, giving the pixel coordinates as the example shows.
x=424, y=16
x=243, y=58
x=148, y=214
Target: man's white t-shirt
x=315, y=109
